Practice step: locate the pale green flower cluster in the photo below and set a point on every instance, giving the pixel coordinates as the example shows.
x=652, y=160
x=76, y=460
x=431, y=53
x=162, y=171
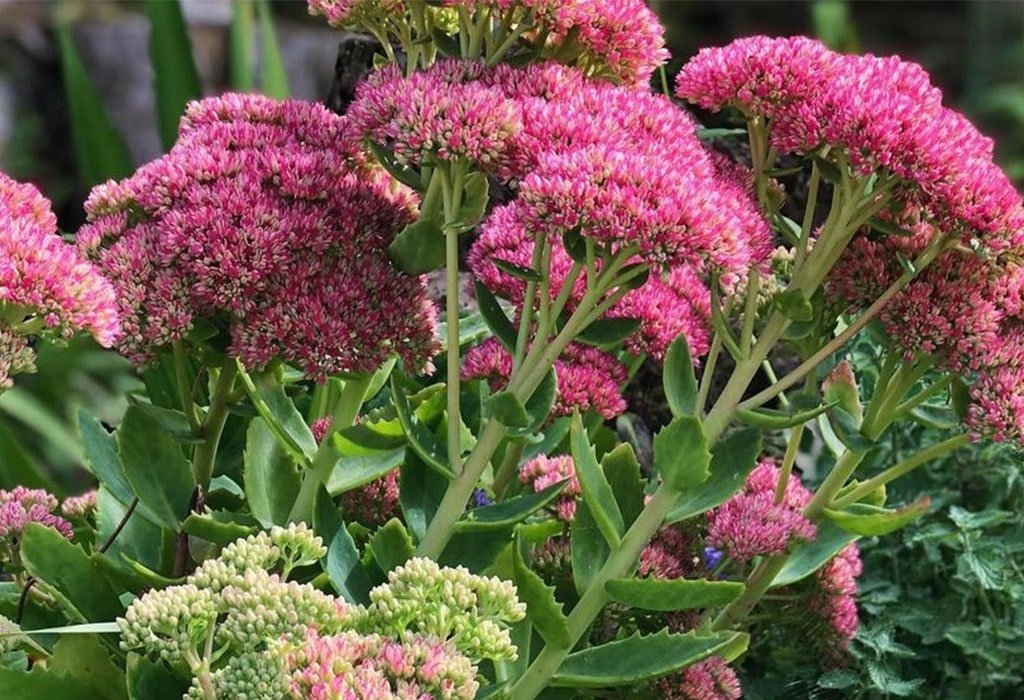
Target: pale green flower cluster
x=233, y=602
x=449, y=604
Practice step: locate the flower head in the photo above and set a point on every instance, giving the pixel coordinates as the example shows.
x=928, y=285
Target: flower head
x=542, y=472
x=46, y=287
x=751, y=523
x=711, y=679
x=82, y=506
x=257, y=223
x=373, y=503
x=835, y=598
x=18, y=508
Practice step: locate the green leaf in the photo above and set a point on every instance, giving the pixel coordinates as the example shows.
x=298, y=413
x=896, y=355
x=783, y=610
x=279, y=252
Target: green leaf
x=495, y=317
x=848, y=432
x=85, y=659
x=476, y=550
x=574, y=245
x=544, y=610
x=606, y=332
x=808, y=557
x=421, y=440
x=282, y=418
x=275, y=77
x=771, y=419
x=67, y=570
x=100, y=153
x=622, y=470
x=523, y=273
x=871, y=521
x=506, y=408
x=679, y=379
x=889, y=228
x=588, y=548
x=220, y=527
x=419, y=247
x=171, y=421
x=17, y=468
x=240, y=40
x=732, y=459
x=681, y=454
x=391, y=545
x=176, y=80
x=829, y=170
x=447, y=45
x=538, y=406
x=44, y=420
x=41, y=683
x=635, y=658
x=153, y=681
x=593, y=484
x=353, y=471
x=938, y=417
x=420, y=490
x=342, y=564
x=402, y=173
x=672, y=594
x=155, y=467
x=959, y=397
x=510, y=512
x=271, y=481
x=475, y=193
x=792, y=304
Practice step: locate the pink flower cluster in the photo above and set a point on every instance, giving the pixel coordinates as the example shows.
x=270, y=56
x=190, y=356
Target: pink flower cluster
x=835, y=599
x=882, y=113
x=350, y=666
x=751, y=523
x=46, y=287
x=541, y=472
x=258, y=223
x=711, y=679
x=18, y=508
x=81, y=506
x=669, y=554
x=588, y=379
x=374, y=503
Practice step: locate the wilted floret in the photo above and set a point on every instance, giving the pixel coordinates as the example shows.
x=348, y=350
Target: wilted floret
x=256, y=225
x=18, y=508
x=46, y=287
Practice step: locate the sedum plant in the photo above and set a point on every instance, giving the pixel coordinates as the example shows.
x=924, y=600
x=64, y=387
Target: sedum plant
x=300, y=505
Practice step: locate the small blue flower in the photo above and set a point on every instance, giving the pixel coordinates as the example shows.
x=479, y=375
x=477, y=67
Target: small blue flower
x=712, y=557
x=480, y=498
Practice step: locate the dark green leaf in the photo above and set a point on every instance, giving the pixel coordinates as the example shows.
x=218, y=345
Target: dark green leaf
x=155, y=467
x=523, y=273
x=574, y=245
x=871, y=521
x=282, y=418
x=447, y=45
x=17, y=468
x=171, y=420
x=622, y=470
x=66, y=569
x=681, y=454
x=176, y=80
x=474, y=200
x=271, y=480
x=419, y=247
x=672, y=594
x=889, y=228
x=421, y=440
x=633, y=276
x=342, y=564
x=593, y=484
x=848, y=432
x=510, y=512
x=959, y=395
x=476, y=550
x=391, y=545
x=420, y=490
x=402, y=173
x=732, y=459
x=506, y=408
x=538, y=406
x=588, y=548
x=544, y=611
x=40, y=683
x=495, y=316
x=808, y=557
x=148, y=680
x=938, y=417
x=829, y=170
x=100, y=153
x=679, y=379
x=635, y=658
x=83, y=658
x=608, y=331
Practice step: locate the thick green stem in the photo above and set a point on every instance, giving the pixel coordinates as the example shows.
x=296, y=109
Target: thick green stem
x=508, y=469
x=188, y=405
x=319, y=472
x=213, y=425
x=619, y=564
x=452, y=208
x=901, y=469
x=792, y=449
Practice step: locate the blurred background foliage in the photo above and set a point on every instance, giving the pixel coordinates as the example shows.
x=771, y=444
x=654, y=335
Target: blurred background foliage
x=88, y=92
